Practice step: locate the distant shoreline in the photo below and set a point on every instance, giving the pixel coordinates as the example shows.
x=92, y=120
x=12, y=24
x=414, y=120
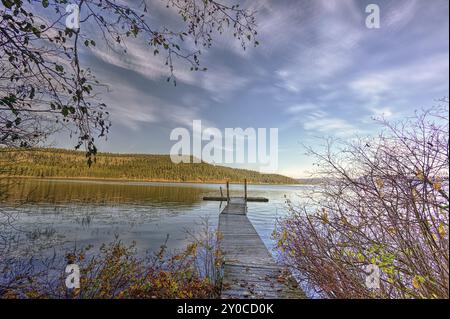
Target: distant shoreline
x=62, y=164
x=127, y=180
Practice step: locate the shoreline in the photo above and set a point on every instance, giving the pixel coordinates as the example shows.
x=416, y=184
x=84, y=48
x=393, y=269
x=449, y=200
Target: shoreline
x=126, y=180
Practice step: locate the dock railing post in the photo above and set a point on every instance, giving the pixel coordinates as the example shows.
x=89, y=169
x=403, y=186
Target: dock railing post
x=228, y=192
x=245, y=190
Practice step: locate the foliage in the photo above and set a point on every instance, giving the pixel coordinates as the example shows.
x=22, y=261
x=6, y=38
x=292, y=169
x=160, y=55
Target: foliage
x=116, y=272
x=385, y=203
x=63, y=163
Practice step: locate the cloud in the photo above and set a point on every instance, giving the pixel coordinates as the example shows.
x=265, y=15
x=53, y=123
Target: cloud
x=319, y=120
x=320, y=51
x=428, y=72
x=138, y=58
x=301, y=108
x=220, y=81
x=323, y=122
x=382, y=89
x=399, y=15
x=134, y=109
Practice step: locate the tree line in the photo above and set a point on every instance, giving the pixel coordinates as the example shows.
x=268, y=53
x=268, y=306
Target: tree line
x=59, y=163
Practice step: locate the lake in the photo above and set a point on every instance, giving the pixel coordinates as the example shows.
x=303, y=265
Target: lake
x=57, y=215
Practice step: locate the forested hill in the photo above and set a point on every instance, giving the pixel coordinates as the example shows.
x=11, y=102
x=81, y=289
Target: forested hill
x=60, y=163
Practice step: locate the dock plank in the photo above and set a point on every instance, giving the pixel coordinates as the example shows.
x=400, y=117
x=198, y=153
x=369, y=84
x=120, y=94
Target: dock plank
x=249, y=269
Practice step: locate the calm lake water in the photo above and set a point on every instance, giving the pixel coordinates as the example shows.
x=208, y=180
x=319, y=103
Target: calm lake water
x=63, y=214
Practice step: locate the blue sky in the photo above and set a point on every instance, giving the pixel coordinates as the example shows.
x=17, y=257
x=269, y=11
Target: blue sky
x=317, y=72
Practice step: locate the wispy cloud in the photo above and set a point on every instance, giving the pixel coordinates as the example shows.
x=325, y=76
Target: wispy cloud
x=135, y=109
x=301, y=108
x=324, y=123
x=429, y=72
x=220, y=81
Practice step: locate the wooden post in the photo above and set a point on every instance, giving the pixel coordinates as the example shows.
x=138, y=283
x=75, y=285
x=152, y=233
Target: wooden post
x=245, y=189
x=221, y=193
x=228, y=191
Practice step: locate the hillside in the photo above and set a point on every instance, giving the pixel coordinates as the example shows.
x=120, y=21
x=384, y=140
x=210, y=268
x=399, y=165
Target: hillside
x=60, y=163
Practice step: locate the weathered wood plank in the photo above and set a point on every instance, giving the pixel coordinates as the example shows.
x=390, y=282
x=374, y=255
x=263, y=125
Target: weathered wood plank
x=249, y=269
x=224, y=199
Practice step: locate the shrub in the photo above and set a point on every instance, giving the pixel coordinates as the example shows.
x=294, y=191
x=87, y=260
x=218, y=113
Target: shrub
x=116, y=271
x=384, y=202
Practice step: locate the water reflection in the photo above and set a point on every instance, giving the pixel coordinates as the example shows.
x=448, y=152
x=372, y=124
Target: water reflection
x=62, y=214
x=62, y=192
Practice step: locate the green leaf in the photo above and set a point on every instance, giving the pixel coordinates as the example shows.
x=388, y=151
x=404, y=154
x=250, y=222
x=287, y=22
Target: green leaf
x=65, y=111
x=135, y=30
x=32, y=93
x=59, y=68
x=8, y=3
x=45, y=3
x=36, y=31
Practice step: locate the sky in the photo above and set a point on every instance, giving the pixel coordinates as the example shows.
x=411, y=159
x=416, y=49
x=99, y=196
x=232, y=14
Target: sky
x=318, y=71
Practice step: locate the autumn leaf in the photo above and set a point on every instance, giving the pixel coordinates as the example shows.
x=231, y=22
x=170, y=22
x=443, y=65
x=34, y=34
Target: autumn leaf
x=420, y=175
x=379, y=182
x=441, y=229
x=417, y=281
x=437, y=186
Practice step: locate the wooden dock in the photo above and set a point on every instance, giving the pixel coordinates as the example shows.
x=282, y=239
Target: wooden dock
x=249, y=269
x=224, y=199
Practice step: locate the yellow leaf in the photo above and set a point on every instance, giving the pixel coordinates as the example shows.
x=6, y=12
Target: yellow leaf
x=415, y=283
x=379, y=182
x=324, y=216
x=441, y=229
x=419, y=175
x=437, y=186
x=361, y=257
x=414, y=194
